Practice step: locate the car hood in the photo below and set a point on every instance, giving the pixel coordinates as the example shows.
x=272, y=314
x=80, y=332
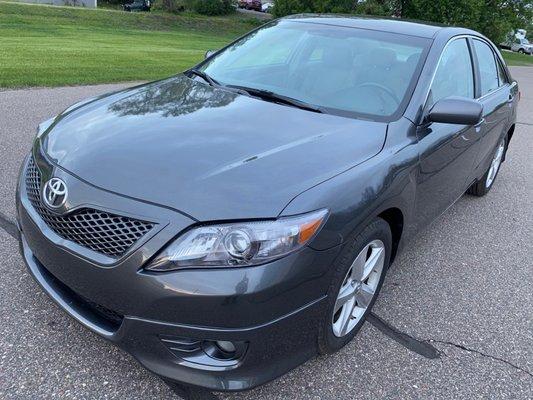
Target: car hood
x=207, y=152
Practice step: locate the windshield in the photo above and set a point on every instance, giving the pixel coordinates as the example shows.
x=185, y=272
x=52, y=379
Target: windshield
x=525, y=41
x=342, y=70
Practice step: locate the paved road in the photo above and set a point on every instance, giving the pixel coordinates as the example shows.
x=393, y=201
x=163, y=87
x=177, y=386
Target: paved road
x=464, y=288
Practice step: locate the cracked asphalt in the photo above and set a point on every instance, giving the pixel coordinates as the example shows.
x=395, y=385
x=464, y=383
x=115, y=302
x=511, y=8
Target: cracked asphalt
x=460, y=294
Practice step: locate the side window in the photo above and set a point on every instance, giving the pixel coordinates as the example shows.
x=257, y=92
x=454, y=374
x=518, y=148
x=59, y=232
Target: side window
x=488, y=72
x=454, y=75
x=502, y=77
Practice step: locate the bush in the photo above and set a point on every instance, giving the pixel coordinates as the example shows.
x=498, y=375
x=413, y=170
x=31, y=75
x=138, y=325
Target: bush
x=212, y=7
x=375, y=7
x=172, y=6
x=205, y=7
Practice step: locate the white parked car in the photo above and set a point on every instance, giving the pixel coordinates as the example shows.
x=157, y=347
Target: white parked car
x=267, y=7
x=522, y=46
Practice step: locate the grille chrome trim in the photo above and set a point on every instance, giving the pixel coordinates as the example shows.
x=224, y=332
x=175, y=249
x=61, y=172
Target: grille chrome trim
x=100, y=231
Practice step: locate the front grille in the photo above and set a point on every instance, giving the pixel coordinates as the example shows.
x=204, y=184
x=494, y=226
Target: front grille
x=97, y=230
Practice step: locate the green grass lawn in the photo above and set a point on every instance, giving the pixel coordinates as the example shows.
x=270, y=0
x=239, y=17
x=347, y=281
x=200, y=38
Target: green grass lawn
x=512, y=58
x=53, y=46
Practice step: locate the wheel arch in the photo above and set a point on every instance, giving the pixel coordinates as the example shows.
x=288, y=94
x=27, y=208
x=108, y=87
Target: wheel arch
x=510, y=134
x=395, y=218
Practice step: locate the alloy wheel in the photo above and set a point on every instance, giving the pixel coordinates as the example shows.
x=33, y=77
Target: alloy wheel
x=495, y=164
x=358, y=288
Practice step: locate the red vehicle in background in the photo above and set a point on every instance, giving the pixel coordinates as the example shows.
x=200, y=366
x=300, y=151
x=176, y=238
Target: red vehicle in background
x=250, y=4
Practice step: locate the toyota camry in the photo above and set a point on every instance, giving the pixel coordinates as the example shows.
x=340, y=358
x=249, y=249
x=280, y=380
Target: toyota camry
x=228, y=223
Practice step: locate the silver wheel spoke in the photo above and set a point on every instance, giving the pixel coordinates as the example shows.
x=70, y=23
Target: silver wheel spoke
x=376, y=258
x=495, y=164
x=345, y=295
x=347, y=317
x=358, y=266
x=364, y=296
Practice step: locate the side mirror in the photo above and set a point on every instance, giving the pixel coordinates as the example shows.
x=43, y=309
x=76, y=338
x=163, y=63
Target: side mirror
x=456, y=110
x=209, y=53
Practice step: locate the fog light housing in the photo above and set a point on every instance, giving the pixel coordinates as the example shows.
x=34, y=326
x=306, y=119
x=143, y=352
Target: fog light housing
x=205, y=353
x=226, y=346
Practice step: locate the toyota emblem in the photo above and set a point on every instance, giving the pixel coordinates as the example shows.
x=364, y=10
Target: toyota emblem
x=55, y=193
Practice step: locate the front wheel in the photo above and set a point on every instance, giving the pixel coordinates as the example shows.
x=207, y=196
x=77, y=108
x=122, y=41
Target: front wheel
x=482, y=187
x=521, y=51
x=356, y=283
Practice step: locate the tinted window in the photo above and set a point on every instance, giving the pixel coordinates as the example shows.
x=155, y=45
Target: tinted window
x=488, y=73
x=501, y=75
x=279, y=48
x=454, y=75
x=344, y=70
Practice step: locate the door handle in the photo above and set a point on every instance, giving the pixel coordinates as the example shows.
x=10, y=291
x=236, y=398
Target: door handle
x=511, y=90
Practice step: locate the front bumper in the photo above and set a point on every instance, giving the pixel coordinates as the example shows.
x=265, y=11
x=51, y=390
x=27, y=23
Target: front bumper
x=274, y=309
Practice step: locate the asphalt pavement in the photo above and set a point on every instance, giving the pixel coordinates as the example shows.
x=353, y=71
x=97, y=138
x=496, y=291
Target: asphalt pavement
x=454, y=319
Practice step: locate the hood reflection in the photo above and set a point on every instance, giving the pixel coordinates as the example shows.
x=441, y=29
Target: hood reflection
x=178, y=96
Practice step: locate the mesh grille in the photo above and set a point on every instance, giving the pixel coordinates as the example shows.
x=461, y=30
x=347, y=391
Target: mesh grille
x=100, y=231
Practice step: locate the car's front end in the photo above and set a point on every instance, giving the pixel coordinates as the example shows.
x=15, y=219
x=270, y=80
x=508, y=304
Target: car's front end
x=224, y=329
x=105, y=211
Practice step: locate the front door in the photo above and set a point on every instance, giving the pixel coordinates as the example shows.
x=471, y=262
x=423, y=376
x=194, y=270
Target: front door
x=447, y=151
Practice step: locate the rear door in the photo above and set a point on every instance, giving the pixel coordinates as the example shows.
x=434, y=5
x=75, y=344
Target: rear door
x=496, y=92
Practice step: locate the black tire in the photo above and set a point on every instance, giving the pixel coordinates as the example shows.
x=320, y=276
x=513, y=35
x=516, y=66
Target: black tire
x=379, y=229
x=480, y=187
x=521, y=51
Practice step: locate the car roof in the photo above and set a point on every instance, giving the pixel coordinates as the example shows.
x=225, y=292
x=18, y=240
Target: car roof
x=392, y=25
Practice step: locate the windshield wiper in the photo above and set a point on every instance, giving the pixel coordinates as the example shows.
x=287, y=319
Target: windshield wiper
x=277, y=98
x=204, y=76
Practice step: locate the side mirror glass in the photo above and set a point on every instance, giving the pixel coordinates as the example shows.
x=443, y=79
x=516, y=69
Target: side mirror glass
x=209, y=53
x=456, y=110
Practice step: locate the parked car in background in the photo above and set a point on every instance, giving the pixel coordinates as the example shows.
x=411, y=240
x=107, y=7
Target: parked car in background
x=522, y=46
x=267, y=7
x=250, y=4
x=138, y=5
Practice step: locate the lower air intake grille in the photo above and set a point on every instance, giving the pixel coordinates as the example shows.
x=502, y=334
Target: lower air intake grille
x=100, y=231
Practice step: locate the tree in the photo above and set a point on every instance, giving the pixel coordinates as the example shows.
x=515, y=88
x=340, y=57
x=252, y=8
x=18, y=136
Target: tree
x=499, y=17
x=494, y=18
x=450, y=12
x=373, y=7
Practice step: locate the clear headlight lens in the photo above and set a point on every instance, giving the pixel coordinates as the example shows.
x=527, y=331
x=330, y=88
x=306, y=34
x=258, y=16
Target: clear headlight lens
x=240, y=243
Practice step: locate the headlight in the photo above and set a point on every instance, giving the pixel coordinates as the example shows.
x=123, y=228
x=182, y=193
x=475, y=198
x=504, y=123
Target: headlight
x=240, y=243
